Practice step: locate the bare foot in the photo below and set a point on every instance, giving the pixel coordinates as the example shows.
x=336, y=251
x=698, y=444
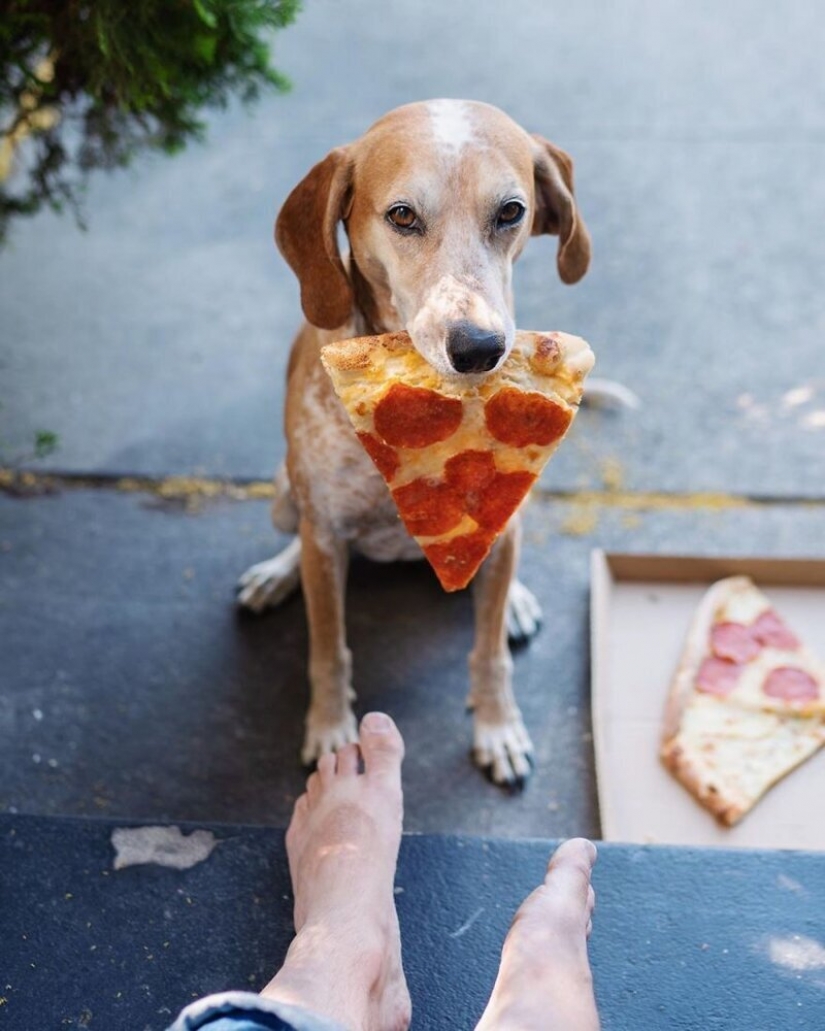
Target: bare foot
x=342, y=843
x=544, y=981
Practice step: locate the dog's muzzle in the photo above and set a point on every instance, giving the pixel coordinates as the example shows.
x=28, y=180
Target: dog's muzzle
x=471, y=349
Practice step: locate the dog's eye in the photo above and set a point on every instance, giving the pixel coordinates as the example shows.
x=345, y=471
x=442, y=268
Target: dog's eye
x=511, y=213
x=403, y=217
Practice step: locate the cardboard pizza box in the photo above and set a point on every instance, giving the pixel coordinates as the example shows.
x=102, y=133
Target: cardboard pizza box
x=641, y=607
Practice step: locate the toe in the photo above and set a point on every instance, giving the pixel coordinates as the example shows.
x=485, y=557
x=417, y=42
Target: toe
x=578, y=852
x=348, y=760
x=326, y=768
x=382, y=747
x=570, y=868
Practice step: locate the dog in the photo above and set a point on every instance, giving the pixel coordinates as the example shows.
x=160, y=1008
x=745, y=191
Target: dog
x=437, y=200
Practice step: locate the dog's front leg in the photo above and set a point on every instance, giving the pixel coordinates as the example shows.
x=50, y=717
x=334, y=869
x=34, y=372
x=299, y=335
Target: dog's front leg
x=330, y=722
x=500, y=740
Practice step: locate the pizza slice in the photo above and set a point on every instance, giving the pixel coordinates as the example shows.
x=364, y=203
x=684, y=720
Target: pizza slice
x=459, y=454
x=747, y=704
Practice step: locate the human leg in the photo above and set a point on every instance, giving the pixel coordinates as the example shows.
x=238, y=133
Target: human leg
x=342, y=843
x=343, y=968
x=544, y=982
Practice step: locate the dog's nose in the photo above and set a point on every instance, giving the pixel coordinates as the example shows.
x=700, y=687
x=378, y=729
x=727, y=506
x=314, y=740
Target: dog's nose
x=471, y=349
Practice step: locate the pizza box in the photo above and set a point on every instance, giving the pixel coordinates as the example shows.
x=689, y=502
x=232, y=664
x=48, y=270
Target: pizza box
x=641, y=607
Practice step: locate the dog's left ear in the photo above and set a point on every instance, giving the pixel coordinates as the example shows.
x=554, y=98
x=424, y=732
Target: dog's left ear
x=306, y=232
x=556, y=211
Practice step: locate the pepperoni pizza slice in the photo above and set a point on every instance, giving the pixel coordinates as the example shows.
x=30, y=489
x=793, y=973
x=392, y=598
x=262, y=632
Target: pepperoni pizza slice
x=747, y=703
x=459, y=454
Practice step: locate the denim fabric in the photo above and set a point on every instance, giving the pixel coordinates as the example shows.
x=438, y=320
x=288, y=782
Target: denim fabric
x=245, y=1011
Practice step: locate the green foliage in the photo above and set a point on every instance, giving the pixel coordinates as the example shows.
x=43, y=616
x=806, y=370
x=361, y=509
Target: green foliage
x=87, y=84
x=46, y=443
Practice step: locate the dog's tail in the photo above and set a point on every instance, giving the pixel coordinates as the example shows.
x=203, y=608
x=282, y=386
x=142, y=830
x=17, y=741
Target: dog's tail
x=600, y=393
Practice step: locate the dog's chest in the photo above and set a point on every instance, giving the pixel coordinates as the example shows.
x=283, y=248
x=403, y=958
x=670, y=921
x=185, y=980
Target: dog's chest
x=340, y=482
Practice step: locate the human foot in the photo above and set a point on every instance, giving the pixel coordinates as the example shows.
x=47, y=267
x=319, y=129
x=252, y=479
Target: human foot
x=544, y=981
x=342, y=844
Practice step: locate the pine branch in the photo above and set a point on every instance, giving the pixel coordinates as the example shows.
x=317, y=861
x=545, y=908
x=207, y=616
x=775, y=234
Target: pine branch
x=135, y=76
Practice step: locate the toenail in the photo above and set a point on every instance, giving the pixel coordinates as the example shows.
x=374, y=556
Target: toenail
x=376, y=723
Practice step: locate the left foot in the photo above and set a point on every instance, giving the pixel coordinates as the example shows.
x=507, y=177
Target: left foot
x=342, y=844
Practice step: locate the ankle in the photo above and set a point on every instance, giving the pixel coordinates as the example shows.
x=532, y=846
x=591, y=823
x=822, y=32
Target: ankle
x=315, y=951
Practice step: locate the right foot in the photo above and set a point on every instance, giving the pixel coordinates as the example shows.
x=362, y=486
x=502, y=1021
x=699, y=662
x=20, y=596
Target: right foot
x=544, y=982
x=342, y=844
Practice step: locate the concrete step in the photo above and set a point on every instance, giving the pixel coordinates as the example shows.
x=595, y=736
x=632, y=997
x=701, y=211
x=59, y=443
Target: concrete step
x=683, y=939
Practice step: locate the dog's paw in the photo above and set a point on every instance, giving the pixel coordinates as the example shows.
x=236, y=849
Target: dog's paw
x=504, y=750
x=523, y=613
x=321, y=738
x=269, y=583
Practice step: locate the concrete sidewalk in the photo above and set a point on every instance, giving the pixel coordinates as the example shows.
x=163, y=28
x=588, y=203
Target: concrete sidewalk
x=156, y=342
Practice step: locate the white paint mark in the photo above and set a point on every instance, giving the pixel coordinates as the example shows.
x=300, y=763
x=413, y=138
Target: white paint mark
x=797, y=396
x=789, y=884
x=38, y=714
x=814, y=420
x=797, y=952
x=466, y=926
x=166, y=846
x=757, y=413
x=451, y=125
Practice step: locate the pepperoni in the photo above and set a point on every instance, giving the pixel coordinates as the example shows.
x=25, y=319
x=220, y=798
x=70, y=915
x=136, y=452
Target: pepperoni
x=734, y=641
x=519, y=419
x=428, y=508
x=717, y=676
x=492, y=509
x=473, y=485
x=470, y=471
x=414, y=417
x=382, y=454
x=456, y=560
x=489, y=496
x=791, y=685
x=770, y=631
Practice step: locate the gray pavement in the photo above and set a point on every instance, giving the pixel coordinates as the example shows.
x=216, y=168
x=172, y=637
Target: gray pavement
x=131, y=688
x=156, y=343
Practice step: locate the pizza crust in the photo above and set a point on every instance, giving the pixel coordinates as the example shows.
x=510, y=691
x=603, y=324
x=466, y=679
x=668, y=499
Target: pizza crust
x=725, y=809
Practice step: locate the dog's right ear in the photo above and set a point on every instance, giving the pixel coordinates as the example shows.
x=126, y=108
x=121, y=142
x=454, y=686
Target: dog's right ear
x=306, y=232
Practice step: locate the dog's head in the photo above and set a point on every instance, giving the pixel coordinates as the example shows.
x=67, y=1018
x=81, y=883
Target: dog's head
x=438, y=199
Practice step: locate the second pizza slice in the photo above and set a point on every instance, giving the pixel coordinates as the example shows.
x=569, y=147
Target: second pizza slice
x=459, y=454
x=747, y=704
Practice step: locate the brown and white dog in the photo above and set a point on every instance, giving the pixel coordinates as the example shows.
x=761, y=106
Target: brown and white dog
x=437, y=199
